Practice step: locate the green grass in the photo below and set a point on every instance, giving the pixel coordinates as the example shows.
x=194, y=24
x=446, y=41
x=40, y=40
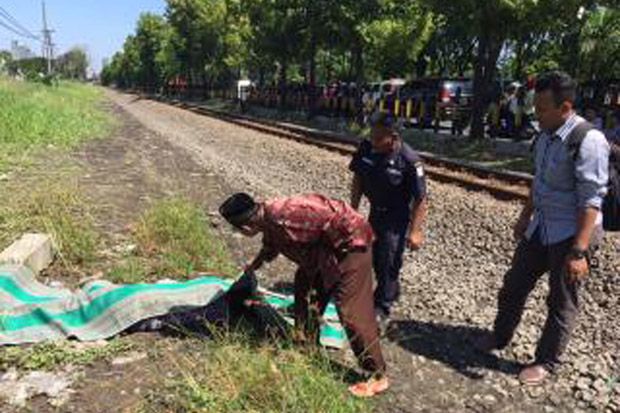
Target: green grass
x=54, y=208
x=38, y=124
x=35, y=116
x=51, y=355
x=174, y=239
x=235, y=375
x=131, y=270
x=478, y=151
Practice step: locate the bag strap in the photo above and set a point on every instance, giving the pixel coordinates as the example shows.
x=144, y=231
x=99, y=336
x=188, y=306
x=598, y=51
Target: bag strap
x=534, y=142
x=576, y=137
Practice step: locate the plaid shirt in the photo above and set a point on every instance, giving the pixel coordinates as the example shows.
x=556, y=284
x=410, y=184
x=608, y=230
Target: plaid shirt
x=312, y=230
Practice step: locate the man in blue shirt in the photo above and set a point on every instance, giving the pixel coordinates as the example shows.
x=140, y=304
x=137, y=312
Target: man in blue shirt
x=390, y=174
x=557, y=226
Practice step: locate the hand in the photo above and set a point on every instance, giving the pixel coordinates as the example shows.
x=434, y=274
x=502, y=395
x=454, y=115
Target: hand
x=415, y=240
x=519, y=228
x=576, y=269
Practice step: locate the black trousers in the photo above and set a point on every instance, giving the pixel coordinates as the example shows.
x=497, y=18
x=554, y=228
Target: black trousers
x=387, y=260
x=530, y=262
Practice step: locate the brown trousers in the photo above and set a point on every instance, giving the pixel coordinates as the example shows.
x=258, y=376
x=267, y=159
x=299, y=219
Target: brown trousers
x=351, y=289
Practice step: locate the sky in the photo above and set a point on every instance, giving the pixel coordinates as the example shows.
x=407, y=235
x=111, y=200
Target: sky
x=100, y=26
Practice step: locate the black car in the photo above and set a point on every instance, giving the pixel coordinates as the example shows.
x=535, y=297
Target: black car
x=446, y=94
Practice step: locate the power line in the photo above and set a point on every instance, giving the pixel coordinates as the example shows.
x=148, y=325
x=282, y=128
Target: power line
x=13, y=21
x=12, y=29
x=16, y=23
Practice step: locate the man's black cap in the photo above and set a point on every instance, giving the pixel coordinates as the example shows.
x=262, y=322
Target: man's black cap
x=238, y=208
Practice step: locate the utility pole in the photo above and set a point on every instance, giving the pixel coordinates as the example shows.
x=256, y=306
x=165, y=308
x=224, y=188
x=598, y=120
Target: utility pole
x=48, y=46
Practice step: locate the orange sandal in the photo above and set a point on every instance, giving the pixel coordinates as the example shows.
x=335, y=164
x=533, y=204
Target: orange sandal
x=369, y=388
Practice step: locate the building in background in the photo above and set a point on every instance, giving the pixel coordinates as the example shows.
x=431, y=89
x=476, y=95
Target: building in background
x=20, y=51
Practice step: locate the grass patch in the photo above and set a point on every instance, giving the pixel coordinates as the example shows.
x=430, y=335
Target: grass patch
x=132, y=270
x=35, y=116
x=51, y=355
x=42, y=194
x=56, y=209
x=479, y=151
x=235, y=375
x=174, y=239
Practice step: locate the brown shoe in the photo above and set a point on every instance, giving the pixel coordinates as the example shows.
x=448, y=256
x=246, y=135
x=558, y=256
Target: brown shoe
x=533, y=375
x=485, y=343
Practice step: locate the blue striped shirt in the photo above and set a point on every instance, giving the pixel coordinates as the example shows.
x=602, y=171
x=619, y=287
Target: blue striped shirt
x=562, y=185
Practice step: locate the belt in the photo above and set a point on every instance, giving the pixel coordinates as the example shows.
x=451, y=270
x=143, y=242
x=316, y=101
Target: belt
x=342, y=252
x=390, y=209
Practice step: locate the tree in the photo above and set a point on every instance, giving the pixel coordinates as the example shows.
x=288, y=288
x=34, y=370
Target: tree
x=123, y=70
x=396, y=37
x=73, y=64
x=449, y=51
x=213, y=42
x=493, y=23
x=199, y=27
x=33, y=68
x=151, y=32
x=276, y=30
x=5, y=60
x=600, y=45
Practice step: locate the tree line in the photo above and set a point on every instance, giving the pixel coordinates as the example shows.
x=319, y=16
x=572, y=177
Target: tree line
x=70, y=65
x=215, y=42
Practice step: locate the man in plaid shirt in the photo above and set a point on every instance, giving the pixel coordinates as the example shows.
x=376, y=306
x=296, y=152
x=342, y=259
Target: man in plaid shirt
x=331, y=244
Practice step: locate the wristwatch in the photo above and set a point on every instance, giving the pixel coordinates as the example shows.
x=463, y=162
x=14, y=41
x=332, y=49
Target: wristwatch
x=578, y=253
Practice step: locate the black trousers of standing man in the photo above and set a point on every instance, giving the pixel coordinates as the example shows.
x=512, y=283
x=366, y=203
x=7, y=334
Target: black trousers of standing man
x=531, y=260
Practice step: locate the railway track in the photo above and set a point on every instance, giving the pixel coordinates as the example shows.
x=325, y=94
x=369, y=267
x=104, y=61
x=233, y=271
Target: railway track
x=501, y=184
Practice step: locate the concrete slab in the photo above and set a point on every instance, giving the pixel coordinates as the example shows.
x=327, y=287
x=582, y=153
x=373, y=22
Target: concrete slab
x=32, y=250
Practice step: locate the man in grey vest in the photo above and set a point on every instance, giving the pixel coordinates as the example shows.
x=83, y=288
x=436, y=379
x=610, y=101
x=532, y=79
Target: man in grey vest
x=557, y=226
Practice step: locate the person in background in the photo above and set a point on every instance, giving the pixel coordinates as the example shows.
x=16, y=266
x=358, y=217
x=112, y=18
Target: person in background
x=591, y=115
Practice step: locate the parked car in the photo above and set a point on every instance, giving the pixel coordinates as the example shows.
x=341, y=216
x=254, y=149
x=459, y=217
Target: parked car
x=446, y=92
x=446, y=99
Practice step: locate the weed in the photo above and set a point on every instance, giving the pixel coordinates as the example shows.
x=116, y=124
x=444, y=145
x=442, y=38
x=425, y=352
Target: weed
x=56, y=209
x=237, y=375
x=34, y=117
x=177, y=233
x=132, y=270
x=52, y=355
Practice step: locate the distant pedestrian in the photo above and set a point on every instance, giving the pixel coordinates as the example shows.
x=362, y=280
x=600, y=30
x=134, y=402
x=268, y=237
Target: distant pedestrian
x=591, y=115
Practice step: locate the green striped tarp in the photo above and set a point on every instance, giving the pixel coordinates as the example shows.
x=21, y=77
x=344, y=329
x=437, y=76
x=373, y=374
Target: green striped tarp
x=32, y=312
